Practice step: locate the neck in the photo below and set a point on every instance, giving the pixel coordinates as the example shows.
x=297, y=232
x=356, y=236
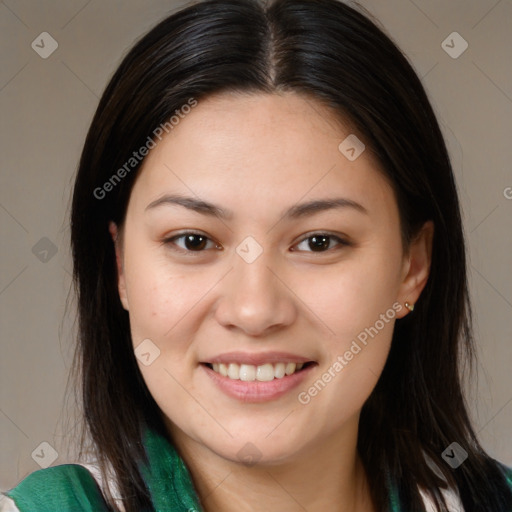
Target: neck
x=315, y=479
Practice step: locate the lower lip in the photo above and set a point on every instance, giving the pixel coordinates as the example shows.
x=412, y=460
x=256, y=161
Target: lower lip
x=257, y=391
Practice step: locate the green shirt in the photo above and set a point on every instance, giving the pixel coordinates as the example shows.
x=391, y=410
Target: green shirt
x=72, y=488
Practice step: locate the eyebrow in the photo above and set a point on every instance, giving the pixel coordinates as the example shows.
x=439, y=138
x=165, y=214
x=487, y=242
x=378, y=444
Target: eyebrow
x=295, y=212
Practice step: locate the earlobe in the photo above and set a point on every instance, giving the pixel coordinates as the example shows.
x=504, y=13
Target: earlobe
x=121, y=283
x=417, y=269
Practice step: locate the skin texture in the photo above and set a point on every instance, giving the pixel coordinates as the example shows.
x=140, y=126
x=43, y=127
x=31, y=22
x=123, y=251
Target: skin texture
x=258, y=155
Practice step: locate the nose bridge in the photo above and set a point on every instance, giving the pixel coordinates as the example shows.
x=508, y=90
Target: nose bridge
x=253, y=299
x=251, y=267
x=255, y=280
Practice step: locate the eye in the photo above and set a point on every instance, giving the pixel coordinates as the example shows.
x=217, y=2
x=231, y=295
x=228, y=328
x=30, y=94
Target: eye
x=321, y=242
x=191, y=242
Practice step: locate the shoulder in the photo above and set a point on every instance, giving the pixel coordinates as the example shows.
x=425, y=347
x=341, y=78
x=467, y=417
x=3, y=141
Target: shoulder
x=68, y=487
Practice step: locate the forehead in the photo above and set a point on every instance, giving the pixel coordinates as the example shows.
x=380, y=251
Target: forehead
x=259, y=149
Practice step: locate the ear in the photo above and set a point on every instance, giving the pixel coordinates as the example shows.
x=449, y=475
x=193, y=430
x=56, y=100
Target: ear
x=121, y=283
x=416, y=268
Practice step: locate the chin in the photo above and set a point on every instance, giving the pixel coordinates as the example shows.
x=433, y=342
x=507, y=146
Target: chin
x=255, y=450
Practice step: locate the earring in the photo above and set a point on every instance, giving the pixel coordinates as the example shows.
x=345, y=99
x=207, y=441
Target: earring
x=409, y=306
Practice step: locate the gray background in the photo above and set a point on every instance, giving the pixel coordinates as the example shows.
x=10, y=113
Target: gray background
x=47, y=105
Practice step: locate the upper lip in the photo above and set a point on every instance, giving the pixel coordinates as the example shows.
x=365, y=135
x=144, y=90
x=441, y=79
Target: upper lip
x=257, y=359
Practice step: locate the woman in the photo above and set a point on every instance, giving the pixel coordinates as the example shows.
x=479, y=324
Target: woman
x=270, y=266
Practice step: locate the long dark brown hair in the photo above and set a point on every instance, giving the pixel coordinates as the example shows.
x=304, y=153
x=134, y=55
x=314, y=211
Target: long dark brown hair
x=332, y=54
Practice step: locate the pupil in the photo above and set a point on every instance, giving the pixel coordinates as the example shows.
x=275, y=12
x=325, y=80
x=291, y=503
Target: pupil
x=317, y=243
x=195, y=242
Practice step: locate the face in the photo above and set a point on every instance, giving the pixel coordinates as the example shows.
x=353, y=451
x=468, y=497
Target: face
x=263, y=272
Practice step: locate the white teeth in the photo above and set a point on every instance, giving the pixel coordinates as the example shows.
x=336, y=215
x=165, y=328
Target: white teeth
x=233, y=371
x=223, y=369
x=247, y=372
x=263, y=373
x=290, y=368
x=279, y=372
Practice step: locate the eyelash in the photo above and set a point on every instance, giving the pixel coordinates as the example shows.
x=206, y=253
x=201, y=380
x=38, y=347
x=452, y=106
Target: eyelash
x=171, y=242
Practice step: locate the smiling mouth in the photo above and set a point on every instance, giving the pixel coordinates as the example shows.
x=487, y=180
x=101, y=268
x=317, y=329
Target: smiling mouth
x=262, y=373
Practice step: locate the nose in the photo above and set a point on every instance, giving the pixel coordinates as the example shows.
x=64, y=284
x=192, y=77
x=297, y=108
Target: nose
x=255, y=299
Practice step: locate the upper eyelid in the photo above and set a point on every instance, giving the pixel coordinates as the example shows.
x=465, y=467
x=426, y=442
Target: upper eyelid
x=342, y=241
x=169, y=239
x=340, y=237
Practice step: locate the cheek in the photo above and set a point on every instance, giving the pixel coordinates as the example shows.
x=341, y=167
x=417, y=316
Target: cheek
x=159, y=299
x=158, y=296
x=356, y=303
x=353, y=294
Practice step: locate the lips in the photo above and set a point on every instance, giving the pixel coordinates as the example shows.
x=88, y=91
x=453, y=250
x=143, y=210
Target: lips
x=257, y=377
x=257, y=358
